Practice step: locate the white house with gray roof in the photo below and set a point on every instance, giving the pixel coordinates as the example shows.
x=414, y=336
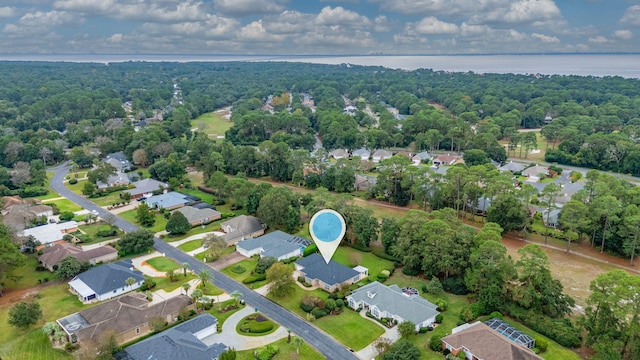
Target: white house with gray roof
x=277, y=244
x=390, y=302
x=329, y=277
x=197, y=216
x=106, y=281
x=146, y=188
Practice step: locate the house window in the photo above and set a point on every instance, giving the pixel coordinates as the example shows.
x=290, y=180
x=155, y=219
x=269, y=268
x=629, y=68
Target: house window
x=137, y=330
x=375, y=312
x=327, y=287
x=114, y=291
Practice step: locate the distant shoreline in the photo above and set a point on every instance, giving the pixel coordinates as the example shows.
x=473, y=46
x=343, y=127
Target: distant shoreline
x=580, y=64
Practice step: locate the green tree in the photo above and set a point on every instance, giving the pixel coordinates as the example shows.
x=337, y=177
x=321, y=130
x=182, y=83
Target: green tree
x=474, y=157
x=508, y=212
x=389, y=233
x=205, y=275
x=24, y=314
x=275, y=206
x=280, y=276
x=217, y=182
x=402, y=350
x=548, y=198
x=630, y=229
x=135, y=242
x=177, y=224
x=573, y=217
x=144, y=216
x=10, y=256
x=215, y=246
x=185, y=267
x=186, y=287
x=70, y=267
x=297, y=341
x=101, y=172
x=406, y=329
x=229, y=354
x=487, y=275
x=130, y=281
x=88, y=189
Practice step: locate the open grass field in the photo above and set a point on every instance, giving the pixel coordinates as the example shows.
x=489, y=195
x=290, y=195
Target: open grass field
x=162, y=263
x=249, y=265
x=31, y=344
x=214, y=123
x=64, y=205
x=285, y=352
x=27, y=277
x=190, y=246
x=542, y=146
x=159, y=225
x=375, y=265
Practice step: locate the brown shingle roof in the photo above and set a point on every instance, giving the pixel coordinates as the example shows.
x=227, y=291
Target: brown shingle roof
x=54, y=254
x=486, y=344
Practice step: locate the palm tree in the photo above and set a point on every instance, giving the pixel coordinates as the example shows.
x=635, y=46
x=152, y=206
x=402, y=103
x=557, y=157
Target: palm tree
x=205, y=275
x=130, y=281
x=186, y=287
x=297, y=342
x=236, y=296
x=185, y=267
x=195, y=296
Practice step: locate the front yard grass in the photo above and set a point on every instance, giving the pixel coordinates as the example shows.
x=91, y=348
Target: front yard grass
x=285, y=352
x=92, y=231
x=63, y=205
x=162, y=263
x=26, y=275
x=223, y=316
x=191, y=245
x=130, y=215
x=167, y=285
x=196, y=230
x=249, y=265
x=369, y=260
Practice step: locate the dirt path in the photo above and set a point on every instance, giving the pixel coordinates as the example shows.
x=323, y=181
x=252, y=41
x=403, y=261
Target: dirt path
x=12, y=296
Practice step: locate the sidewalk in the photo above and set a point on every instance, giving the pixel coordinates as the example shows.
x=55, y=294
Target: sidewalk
x=147, y=269
x=369, y=352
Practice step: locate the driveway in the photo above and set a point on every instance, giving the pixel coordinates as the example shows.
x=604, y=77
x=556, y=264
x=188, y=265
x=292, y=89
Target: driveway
x=370, y=352
x=326, y=345
x=225, y=261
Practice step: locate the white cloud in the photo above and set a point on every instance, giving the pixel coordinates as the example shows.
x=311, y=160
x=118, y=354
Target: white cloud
x=341, y=16
x=7, y=11
x=214, y=27
x=115, y=38
x=632, y=15
x=41, y=22
x=241, y=8
x=432, y=26
x=146, y=10
x=381, y=24
x=535, y=12
x=256, y=32
x=623, y=34
x=598, y=40
x=289, y=22
x=545, y=38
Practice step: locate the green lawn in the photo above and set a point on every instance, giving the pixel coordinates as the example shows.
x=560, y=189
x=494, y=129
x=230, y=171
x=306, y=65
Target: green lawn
x=55, y=301
x=167, y=285
x=64, y=205
x=213, y=124
x=222, y=317
x=285, y=352
x=160, y=224
x=248, y=264
x=349, y=327
x=369, y=260
x=212, y=226
x=210, y=290
x=249, y=320
x=208, y=198
x=191, y=245
x=92, y=229
x=27, y=276
x=162, y=263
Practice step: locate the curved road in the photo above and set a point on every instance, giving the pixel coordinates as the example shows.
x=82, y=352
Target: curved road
x=325, y=344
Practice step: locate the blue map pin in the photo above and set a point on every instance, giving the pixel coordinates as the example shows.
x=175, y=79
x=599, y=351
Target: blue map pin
x=327, y=228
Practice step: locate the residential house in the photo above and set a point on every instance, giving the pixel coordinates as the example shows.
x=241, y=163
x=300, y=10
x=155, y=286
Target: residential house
x=535, y=173
x=118, y=179
x=199, y=216
x=22, y=216
x=364, y=182
x=391, y=302
x=170, y=201
x=119, y=161
x=444, y=160
x=329, y=277
x=553, y=215
x=421, y=158
x=480, y=342
x=404, y=154
x=106, y=281
x=52, y=256
x=127, y=315
x=50, y=234
x=380, y=155
x=277, y=244
x=194, y=339
x=362, y=153
x=512, y=167
x=146, y=187
x=482, y=206
x=242, y=227
x=339, y=154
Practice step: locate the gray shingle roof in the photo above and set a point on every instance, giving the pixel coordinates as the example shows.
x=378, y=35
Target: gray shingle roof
x=146, y=186
x=391, y=299
x=194, y=214
x=176, y=343
x=513, y=167
x=332, y=274
x=108, y=277
x=167, y=200
x=275, y=244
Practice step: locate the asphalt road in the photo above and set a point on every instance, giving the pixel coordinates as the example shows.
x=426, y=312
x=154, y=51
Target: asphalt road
x=322, y=342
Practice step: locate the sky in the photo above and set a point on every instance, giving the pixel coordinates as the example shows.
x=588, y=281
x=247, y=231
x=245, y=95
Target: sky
x=313, y=27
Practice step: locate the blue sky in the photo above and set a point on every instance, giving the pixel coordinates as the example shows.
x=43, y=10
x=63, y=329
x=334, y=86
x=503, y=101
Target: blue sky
x=300, y=27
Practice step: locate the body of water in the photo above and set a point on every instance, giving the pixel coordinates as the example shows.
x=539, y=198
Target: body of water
x=625, y=65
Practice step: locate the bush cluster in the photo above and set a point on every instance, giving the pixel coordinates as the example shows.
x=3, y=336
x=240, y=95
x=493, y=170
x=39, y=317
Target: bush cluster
x=561, y=331
x=254, y=278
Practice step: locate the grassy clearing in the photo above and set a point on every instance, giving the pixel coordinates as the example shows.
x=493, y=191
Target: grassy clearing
x=285, y=352
x=212, y=226
x=191, y=245
x=375, y=265
x=208, y=198
x=249, y=265
x=213, y=124
x=64, y=205
x=26, y=276
x=130, y=215
x=167, y=285
x=162, y=263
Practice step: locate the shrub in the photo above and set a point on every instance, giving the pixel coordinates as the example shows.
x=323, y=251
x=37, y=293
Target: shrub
x=541, y=344
x=148, y=284
x=455, y=286
x=435, y=286
x=73, y=181
x=256, y=327
x=561, y=331
x=238, y=269
x=264, y=264
x=267, y=352
x=71, y=347
x=435, y=343
x=112, y=231
x=311, y=249
x=439, y=318
x=253, y=278
x=381, y=278
x=66, y=215
x=496, y=314
x=410, y=272
x=318, y=313
x=442, y=305
x=339, y=303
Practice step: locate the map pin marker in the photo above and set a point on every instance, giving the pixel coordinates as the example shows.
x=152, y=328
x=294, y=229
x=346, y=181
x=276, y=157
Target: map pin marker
x=327, y=228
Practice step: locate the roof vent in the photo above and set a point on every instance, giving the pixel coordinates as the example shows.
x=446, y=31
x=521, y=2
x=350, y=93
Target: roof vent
x=371, y=294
